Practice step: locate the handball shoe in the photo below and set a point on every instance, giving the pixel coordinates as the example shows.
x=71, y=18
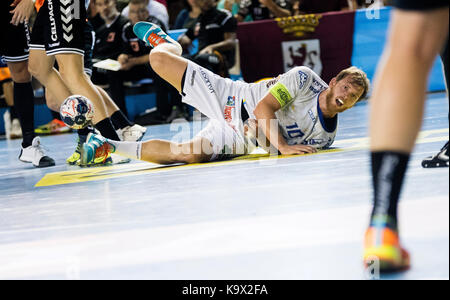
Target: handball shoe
x=153, y=35
x=382, y=244
x=35, y=154
x=437, y=161
x=133, y=133
x=16, y=130
x=95, y=151
x=53, y=127
x=74, y=159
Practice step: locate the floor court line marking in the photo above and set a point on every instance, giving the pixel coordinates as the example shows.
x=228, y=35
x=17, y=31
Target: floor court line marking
x=100, y=173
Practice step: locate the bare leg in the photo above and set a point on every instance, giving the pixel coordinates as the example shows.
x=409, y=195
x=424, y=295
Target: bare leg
x=42, y=68
x=399, y=95
x=110, y=105
x=396, y=115
x=8, y=90
x=166, y=61
x=165, y=152
x=72, y=72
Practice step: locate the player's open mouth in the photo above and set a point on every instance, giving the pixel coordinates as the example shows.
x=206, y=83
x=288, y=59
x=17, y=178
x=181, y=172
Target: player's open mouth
x=339, y=102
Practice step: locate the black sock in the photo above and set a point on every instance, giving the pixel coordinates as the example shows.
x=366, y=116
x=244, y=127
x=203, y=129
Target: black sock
x=24, y=105
x=388, y=172
x=13, y=113
x=55, y=115
x=107, y=130
x=120, y=121
x=83, y=133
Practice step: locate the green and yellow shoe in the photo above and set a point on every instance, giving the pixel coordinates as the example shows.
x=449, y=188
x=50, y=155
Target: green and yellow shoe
x=98, y=160
x=75, y=158
x=96, y=151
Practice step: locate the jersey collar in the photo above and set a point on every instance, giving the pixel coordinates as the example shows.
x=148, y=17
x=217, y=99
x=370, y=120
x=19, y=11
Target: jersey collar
x=328, y=124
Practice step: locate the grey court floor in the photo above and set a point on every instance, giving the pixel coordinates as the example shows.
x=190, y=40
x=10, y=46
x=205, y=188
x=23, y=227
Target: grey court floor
x=299, y=217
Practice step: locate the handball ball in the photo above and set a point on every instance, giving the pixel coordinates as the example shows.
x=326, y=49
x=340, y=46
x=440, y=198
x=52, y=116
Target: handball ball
x=77, y=111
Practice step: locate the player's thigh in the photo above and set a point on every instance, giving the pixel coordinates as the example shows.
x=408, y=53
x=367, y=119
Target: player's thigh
x=196, y=151
x=169, y=67
x=419, y=34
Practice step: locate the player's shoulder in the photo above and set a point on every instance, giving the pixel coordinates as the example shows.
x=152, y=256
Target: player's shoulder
x=127, y=31
x=223, y=15
x=127, y=27
x=301, y=74
x=122, y=21
x=303, y=70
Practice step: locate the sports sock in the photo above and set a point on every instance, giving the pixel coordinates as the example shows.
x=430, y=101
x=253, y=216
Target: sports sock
x=107, y=130
x=128, y=149
x=55, y=115
x=83, y=133
x=120, y=121
x=388, y=172
x=24, y=106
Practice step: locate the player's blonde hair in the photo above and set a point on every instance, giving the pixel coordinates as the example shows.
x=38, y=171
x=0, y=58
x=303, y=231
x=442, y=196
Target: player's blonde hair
x=358, y=78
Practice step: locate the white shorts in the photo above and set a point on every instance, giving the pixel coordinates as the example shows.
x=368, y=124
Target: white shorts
x=220, y=99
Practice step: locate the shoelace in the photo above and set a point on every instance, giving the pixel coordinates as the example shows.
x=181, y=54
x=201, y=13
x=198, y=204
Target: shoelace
x=79, y=145
x=41, y=149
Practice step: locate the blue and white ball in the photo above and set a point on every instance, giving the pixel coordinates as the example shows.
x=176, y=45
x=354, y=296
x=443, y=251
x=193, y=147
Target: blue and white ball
x=77, y=111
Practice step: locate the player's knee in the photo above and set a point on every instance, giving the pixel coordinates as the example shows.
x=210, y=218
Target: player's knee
x=73, y=78
x=37, y=70
x=51, y=102
x=20, y=73
x=158, y=59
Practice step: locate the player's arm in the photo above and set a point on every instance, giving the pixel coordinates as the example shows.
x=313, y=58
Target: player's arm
x=131, y=62
x=278, y=11
x=264, y=113
x=184, y=41
x=228, y=43
x=22, y=11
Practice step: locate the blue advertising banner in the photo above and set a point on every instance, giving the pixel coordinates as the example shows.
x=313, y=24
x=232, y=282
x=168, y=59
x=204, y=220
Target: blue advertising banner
x=370, y=34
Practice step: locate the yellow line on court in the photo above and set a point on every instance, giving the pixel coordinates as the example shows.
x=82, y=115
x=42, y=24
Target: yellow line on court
x=99, y=173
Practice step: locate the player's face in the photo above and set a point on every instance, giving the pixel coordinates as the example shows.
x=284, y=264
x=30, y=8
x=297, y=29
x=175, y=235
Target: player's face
x=106, y=8
x=343, y=95
x=138, y=13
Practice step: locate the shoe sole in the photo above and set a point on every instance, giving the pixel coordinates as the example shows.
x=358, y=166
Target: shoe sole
x=387, y=263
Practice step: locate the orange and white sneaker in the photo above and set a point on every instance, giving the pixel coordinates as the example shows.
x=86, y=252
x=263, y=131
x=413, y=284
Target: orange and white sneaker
x=95, y=151
x=153, y=35
x=381, y=244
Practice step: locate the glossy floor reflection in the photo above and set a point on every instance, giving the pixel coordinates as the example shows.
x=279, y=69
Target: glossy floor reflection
x=291, y=218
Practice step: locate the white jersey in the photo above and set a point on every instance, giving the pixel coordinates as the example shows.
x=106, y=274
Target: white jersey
x=300, y=118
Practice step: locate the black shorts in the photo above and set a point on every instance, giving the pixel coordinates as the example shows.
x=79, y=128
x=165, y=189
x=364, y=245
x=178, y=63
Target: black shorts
x=60, y=27
x=420, y=4
x=89, y=38
x=89, y=42
x=13, y=39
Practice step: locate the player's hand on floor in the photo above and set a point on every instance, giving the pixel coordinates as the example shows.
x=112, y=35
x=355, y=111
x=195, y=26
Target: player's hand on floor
x=297, y=149
x=22, y=11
